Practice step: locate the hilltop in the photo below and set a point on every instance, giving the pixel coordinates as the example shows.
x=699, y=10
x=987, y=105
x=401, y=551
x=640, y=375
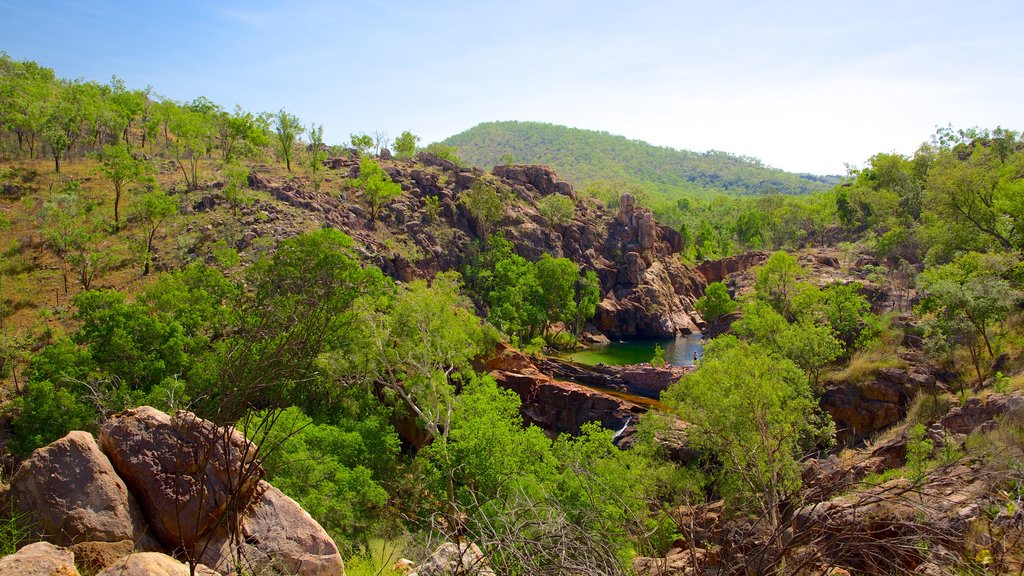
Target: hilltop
x=582, y=156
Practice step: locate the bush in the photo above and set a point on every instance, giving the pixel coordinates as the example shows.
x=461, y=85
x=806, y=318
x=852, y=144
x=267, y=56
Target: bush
x=45, y=413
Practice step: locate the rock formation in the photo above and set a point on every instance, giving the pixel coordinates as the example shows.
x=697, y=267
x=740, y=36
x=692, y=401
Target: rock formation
x=39, y=559
x=192, y=479
x=186, y=472
x=73, y=493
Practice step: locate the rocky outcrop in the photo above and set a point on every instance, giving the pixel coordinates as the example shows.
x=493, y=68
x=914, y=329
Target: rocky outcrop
x=721, y=269
x=39, y=559
x=554, y=405
x=185, y=471
x=93, y=557
x=983, y=413
x=648, y=293
x=861, y=409
x=73, y=493
x=278, y=534
x=639, y=379
x=152, y=564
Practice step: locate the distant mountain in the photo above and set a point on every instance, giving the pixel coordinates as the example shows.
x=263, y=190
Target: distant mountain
x=581, y=156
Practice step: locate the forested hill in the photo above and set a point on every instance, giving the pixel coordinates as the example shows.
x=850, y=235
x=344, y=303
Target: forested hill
x=586, y=155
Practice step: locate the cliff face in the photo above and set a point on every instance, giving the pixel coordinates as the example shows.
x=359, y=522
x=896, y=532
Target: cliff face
x=646, y=291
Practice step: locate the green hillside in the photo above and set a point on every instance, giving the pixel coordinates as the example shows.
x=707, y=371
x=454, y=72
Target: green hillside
x=586, y=155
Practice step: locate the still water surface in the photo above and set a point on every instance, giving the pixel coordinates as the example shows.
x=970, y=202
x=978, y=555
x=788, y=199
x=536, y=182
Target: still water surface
x=678, y=351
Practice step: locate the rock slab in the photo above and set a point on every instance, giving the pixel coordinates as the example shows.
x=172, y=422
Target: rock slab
x=71, y=490
x=186, y=472
x=39, y=559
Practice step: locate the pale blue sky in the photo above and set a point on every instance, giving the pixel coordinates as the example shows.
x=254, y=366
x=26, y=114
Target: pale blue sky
x=805, y=86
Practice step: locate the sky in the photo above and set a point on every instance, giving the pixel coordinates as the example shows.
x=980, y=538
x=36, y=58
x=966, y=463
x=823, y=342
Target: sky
x=804, y=86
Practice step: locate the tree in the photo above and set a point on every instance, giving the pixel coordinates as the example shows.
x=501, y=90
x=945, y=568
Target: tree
x=63, y=121
x=122, y=168
x=63, y=225
x=317, y=155
x=287, y=128
x=755, y=413
x=193, y=135
x=153, y=209
x=716, y=302
x=377, y=187
x=777, y=281
x=485, y=203
x=588, y=296
x=236, y=182
x=557, y=280
x=361, y=142
x=556, y=208
x=405, y=145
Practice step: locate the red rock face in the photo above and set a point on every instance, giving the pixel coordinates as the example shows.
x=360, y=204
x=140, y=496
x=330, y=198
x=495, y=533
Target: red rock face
x=719, y=270
x=185, y=472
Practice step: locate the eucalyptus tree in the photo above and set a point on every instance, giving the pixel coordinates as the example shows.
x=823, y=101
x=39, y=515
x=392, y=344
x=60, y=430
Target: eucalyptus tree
x=287, y=129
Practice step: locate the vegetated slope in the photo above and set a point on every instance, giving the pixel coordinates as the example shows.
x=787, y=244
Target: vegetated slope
x=586, y=155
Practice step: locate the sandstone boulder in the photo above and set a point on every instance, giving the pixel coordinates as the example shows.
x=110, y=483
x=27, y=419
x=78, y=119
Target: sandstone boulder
x=152, y=564
x=39, y=559
x=281, y=530
x=93, y=557
x=73, y=493
x=463, y=558
x=186, y=472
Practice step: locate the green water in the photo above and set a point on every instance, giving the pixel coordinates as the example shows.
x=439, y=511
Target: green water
x=678, y=351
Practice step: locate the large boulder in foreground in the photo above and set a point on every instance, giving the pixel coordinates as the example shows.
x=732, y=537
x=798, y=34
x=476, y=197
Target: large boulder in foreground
x=152, y=564
x=277, y=534
x=455, y=558
x=39, y=559
x=73, y=494
x=186, y=472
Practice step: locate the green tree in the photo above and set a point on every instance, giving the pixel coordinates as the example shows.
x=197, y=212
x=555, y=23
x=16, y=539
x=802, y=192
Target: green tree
x=287, y=129
x=556, y=278
x=152, y=209
x=361, y=142
x=122, y=168
x=193, y=136
x=777, y=281
x=755, y=413
x=62, y=122
x=588, y=296
x=716, y=302
x=63, y=225
x=485, y=203
x=377, y=187
x=556, y=208
x=317, y=155
x=236, y=184
x=405, y=145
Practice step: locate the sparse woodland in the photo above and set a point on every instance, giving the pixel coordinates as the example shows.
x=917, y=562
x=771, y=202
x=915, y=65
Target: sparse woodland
x=862, y=409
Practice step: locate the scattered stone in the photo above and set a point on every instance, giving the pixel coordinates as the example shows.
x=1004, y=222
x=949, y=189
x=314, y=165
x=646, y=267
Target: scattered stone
x=39, y=559
x=463, y=558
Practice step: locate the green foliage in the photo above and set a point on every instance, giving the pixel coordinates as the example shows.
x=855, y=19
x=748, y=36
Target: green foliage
x=287, y=129
x=361, y=142
x=486, y=203
x=122, y=168
x=557, y=209
x=444, y=152
x=44, y=413
x=919, y=450
x=15, y=528
x=808, y=344
x=755, y=413
x=716, y=302
x=405, y=145
x=377, y=187
x=658, y=360
x=777, y=281
x=236, y=184
x=584, y=155
x=317, y=155
x=321, y=467
x=152, y=209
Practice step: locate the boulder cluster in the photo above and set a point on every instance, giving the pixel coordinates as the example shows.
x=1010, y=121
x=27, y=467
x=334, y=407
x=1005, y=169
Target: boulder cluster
x=156, y=494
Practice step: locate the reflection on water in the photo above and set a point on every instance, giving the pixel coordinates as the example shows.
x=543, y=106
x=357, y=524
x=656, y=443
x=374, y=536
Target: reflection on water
x=678, y=351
